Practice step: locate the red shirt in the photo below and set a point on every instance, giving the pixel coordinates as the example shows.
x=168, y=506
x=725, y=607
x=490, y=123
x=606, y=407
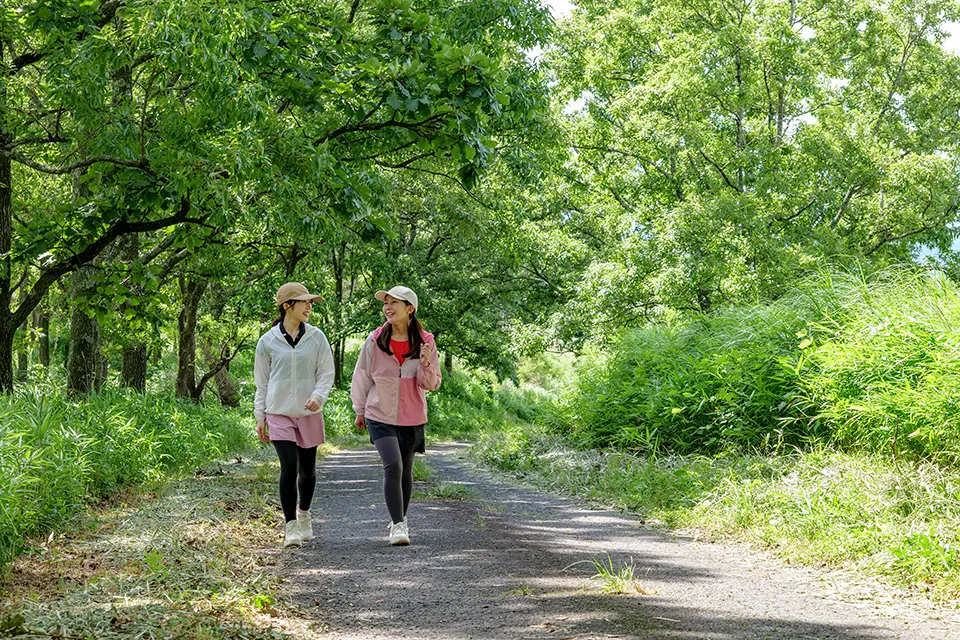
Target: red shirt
x=400, y=349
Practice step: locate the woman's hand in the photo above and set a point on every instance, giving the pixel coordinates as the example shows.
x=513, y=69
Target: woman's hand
x=262, y=430
x=312, y=404
x=360, y=422
x=427, y=351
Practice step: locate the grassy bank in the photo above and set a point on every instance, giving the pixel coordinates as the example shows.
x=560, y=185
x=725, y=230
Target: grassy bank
x=59, y=455
x=201, y=561
x=865, y=512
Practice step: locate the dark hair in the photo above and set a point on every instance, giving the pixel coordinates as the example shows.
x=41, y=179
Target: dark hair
x=283, y=313
x=414, y=335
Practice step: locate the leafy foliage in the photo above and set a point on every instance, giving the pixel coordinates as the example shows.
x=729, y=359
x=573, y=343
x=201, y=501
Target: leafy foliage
x=723, y=149
x=57, y=455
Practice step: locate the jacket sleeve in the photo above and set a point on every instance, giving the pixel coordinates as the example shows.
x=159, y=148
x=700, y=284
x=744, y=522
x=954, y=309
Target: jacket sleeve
x=361, y=382
x=261, y=377
x=324, y=371
x=429, y=377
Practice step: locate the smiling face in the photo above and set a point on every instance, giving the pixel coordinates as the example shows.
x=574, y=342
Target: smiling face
x=299, y=310
x=397, y=311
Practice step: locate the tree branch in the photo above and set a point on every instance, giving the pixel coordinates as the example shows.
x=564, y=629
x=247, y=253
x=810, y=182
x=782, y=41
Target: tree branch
x=376, y=126
x=848, y=196
x=406, y=163
x=70, y=168
x=723, y=173
x=51, y=274
x=108, y=10
x=451, y=179
x=646, y=161
x=225, y=358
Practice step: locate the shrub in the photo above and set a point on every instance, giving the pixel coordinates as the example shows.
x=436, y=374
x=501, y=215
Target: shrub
x=862, y=363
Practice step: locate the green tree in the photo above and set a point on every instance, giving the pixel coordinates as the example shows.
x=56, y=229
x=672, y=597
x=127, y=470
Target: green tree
x=731, y=144
x=280, y=117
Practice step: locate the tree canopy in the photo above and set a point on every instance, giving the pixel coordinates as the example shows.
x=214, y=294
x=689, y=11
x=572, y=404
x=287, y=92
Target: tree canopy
x=181, y=160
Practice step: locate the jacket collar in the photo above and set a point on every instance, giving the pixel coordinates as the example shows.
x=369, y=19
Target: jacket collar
x=426, y=335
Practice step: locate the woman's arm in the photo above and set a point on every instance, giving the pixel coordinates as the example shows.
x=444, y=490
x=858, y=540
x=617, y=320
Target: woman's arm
x=261, y=377
x=361, y=382
x=324, y=372
x=428, y=374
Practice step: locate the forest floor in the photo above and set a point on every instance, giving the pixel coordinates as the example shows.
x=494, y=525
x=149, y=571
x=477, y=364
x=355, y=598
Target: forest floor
x=490, y=558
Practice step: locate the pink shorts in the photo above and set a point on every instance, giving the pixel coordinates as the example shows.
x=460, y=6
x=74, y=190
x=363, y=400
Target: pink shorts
x=306, y=431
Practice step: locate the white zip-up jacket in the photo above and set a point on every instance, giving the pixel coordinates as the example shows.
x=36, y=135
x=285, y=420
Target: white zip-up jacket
x=286, y=377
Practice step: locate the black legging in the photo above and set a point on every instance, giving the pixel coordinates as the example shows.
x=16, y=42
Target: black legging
x=298, y=469
x=397, y=476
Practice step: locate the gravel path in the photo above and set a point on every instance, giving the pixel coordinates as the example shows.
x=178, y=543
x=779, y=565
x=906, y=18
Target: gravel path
x=513, y=563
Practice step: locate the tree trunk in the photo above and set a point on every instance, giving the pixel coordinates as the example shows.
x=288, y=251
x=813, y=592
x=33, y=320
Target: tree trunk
x=83, y=353
x=225, y=387
x=133, y=368
x=338, y=260
x=133, y=371
x=23, y=359
x=103, y=369
x=338, y=347
x=41, y=323
x=6, y=365
x=23, y=353
x=448, y=362
x=6, y=243
x=191, y=292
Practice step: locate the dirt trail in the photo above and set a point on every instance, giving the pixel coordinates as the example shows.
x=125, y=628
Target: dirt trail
x=513, y=563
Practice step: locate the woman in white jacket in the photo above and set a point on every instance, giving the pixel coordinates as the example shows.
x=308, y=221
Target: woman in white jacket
x=293, y=372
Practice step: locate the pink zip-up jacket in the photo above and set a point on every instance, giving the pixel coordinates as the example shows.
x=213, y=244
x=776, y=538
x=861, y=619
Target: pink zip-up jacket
x=384, y=391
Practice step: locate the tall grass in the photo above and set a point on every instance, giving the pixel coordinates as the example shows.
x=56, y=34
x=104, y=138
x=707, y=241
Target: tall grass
x=883, y=372
x=861, y=363
x=57, y=454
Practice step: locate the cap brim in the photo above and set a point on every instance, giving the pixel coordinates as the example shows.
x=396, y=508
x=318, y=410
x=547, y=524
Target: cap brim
x=308, y=296
x=382, y=296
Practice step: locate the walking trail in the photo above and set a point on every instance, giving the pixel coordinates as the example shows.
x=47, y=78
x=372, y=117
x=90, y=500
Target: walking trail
x=513, y=563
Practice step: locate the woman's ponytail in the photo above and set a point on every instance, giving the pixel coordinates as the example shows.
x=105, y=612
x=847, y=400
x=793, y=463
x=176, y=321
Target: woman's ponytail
x=283, y=312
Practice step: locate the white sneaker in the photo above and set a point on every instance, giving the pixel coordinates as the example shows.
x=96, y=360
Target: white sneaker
x=292, y=537
x=398, y=534
x=306, y=527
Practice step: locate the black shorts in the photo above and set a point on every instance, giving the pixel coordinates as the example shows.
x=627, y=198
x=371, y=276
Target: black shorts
x=410, y=438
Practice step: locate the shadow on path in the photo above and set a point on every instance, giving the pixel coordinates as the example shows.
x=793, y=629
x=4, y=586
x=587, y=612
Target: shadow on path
x=514, y=564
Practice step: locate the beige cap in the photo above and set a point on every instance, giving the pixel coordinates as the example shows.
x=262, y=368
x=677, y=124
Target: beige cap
x=400, y=293
x=294, y=291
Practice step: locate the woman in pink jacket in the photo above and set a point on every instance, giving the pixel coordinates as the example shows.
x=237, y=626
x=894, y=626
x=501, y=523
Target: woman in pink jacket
x=397, y=363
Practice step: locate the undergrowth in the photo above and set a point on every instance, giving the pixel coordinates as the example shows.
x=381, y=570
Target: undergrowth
x=59, y=455
x=199, y=562
x=860, y=363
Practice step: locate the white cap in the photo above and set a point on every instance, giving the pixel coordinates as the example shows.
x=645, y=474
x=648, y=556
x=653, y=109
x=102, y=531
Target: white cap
x=400, y=293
